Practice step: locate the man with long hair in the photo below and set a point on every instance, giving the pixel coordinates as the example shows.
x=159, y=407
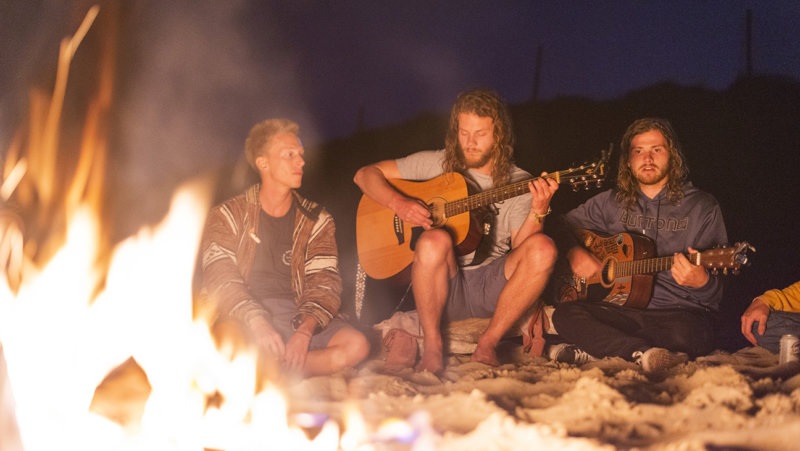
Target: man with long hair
x=519, y=260
x=652, y=198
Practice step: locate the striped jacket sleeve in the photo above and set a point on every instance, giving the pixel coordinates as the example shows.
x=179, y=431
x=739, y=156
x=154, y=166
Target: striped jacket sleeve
x=222, y=279
x=321, y=283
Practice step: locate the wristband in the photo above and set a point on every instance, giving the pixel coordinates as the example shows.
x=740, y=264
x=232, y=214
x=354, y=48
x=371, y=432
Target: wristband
x=539, y=217
x=297, y=321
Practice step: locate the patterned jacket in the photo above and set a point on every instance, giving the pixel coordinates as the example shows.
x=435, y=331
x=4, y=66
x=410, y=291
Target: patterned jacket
x=228, y=249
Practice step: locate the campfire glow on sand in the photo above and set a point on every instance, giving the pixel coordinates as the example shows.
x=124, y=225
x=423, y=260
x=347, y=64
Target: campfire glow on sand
x=101, y=348
x=104, y=353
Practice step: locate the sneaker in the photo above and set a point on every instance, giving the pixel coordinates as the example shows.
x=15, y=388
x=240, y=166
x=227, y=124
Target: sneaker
x=658, y=360
x=569, y=353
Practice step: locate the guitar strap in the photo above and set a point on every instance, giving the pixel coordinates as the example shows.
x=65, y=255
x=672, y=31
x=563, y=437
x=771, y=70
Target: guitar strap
x=487, y=217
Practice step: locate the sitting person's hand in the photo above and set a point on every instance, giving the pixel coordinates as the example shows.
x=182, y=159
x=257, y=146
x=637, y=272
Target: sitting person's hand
x=268, y=340
x=758, y=311
x=688, y=274
x=583, y=263
x=296, y=351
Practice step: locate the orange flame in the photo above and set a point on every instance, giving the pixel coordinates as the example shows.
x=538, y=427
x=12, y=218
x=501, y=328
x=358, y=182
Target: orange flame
x=107, y=356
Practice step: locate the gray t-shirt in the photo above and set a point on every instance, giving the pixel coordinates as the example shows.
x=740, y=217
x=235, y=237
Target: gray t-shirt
x=510, y=213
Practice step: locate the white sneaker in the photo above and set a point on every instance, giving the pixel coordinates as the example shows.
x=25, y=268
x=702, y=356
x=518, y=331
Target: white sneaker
x=658, y=360
x=569, y=353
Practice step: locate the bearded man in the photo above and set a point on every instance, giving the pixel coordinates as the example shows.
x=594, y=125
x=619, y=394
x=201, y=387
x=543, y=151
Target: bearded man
x=652, y=198
x=506, y=283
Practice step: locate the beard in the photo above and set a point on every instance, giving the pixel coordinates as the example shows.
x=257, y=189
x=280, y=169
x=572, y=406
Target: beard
x=477, y=162
x=651, y=178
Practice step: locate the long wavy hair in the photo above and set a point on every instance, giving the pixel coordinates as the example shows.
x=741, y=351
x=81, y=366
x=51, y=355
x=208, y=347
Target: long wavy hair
x=627, y=186
x=483, y=103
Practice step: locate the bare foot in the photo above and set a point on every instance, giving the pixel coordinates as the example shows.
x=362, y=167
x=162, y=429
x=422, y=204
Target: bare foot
x=431, y=361
x=485, y=354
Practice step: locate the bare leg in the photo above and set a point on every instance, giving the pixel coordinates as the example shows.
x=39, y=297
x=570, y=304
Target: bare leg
x=347, y=348
x=527, y=269
x=434, y=265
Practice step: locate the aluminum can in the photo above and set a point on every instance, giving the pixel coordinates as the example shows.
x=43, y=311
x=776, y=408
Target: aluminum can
x=790, y=348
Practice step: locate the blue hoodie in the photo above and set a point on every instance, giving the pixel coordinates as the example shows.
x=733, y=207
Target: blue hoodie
x=696, y=221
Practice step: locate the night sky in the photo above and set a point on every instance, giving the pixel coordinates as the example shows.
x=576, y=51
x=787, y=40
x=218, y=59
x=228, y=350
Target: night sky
x=205, y=71
x=195, y=75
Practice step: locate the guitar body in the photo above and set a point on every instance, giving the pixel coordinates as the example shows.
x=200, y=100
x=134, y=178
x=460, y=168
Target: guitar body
x=629, y=266
x=628, y=290
x=386, y=243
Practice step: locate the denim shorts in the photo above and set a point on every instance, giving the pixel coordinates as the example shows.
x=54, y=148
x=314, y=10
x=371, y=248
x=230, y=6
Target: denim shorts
x=474, y=292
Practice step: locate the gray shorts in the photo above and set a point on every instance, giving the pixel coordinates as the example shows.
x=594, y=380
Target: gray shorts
x=283, y=310
x=474, y=292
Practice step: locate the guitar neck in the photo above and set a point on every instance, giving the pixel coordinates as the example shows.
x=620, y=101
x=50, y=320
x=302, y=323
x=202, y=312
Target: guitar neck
x=493, y=195
x=650, y=265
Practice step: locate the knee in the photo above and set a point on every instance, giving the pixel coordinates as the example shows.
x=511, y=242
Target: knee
x=539, y=251
x=356, y=348
x=433, y=247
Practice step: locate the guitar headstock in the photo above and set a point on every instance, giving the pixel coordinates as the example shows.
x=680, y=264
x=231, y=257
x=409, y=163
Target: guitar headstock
x=590, y=175
x=727, y=258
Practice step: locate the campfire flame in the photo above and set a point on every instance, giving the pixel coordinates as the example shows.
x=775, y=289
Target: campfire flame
x=101, y=348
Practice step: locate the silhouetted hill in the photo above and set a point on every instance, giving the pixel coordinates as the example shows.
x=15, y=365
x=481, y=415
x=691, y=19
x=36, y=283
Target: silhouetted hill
x=741, y=145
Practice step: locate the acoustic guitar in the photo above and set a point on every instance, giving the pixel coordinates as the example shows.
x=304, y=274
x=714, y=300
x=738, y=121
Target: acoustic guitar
x=386, y=243
x=629, y=264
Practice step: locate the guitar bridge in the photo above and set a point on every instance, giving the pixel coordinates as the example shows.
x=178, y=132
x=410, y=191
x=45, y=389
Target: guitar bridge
x=398, y=230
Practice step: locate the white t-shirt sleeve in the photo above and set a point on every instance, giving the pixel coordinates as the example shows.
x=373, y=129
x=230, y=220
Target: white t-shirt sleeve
x=423, y=165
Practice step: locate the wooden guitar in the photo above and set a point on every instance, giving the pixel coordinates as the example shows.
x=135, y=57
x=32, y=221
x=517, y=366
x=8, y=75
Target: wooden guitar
x=386, y=243
x=629, y=264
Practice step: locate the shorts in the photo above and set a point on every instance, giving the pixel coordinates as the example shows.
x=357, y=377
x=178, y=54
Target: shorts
x=473, y=292
x=283, y=310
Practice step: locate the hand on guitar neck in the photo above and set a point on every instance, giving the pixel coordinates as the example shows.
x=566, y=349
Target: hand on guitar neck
x=584, y=264
x=620, y=268
x=686, y=273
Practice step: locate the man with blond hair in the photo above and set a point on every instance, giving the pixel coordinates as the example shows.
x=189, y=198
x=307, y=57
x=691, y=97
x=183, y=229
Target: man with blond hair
x=270, y=261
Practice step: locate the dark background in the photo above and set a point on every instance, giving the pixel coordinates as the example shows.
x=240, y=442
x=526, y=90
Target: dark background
x=369, y=81
x=740, y=145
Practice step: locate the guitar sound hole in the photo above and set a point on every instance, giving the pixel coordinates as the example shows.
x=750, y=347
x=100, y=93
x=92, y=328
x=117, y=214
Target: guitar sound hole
x=608, y=273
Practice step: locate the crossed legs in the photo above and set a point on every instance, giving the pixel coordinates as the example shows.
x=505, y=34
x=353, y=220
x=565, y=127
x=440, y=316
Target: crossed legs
x=346, y=348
